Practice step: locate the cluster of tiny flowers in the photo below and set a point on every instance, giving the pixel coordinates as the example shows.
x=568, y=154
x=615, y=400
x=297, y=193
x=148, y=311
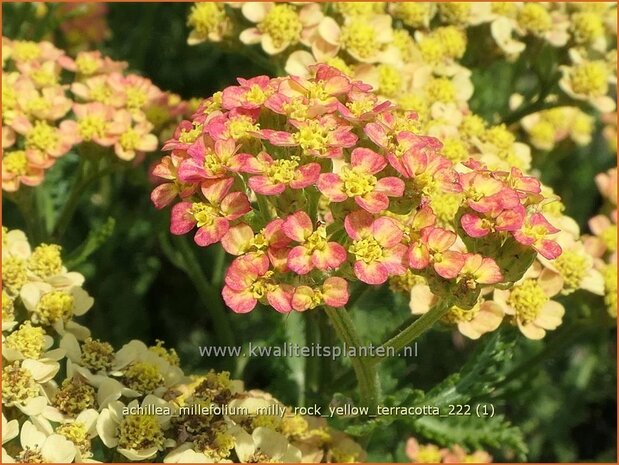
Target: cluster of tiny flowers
x=315, y=182
x=68, y=397
x=431, y=453
x=410, y=53
x=602, y=243
x=52, y=103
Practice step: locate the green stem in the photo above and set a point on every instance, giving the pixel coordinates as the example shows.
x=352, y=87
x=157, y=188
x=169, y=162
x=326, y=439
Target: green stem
x=412, y=332
x=365, y=371
x=209, y=295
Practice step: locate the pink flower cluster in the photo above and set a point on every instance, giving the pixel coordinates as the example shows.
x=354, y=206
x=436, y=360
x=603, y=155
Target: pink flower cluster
x=315, y=182
x=52, y=102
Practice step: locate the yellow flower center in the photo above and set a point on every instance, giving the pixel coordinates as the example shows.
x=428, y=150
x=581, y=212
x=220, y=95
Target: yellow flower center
x=357, y=183
x=14, y=274
x=189, y=136
x=259, y=241
x=218, y=445
x=528, y=299
x=256, y=95
x=359, y=38
x=500, y=137
x=262, y=286
x=77, y=434
x=136, y=98
x=143, y=377
x=457, y=314
x=313, y=136
x=412, y=14
x=45, y=260
x=204, y=213
x=282, y=171
x=25, y=50
x=15, y=163
x=241, y=126
x=266, y=421
x=360, y=106
x=86, y=64
x=405, y=282
x=206, y=18
x=367, y=250
x=282, y=23
x=129, y=139
x=296, y=109
x=404, y=42
x=610, y=288
x=582, y=125
x=454, y=12
x=441, y=90
x=294, y=427
x=428, y=454
x=609, y=237
x=101, y=93
x=360, y=8
x=8, y=308
x=472, y=126
x=18, y=385
x=42, y=137
x=168, y=355
x=75, y=396
x=37, y=105
x=214, y=387
x=92, y=126
x=534, y=18
x=44, y=78
x=543, y=134
x=389, y=80
x=54, y=306
x=432, y=50
x=455, y=150
x=573, y=267
x=587, y=27
x=507, y=9
x=138, y=432
x=445, y=206
x=537, y=232
x=97, y=355
x=590, y=79
x=453, y=41
x=28, y=340
x=318, y=239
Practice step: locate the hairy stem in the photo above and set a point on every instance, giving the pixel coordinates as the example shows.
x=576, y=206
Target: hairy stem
x=365, y=371
x=413, y=331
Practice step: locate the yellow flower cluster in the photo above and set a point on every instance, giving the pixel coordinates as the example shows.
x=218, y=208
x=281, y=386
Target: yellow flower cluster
x=52, y=103
x=64, y=391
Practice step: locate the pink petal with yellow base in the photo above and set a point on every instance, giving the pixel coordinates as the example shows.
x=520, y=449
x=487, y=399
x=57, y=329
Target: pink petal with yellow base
x=387, y=232
x=235, y=205
x=332, y=187
x=181, y=221
x=330, y=258
x=238, y=239
x=371, y=273
x=211, y=233
x=238, y=301
x=265, y=186
x=368, y=160
x=335, y=291
x=373, y=202
x=298, y=226
x=300, y=260
x=358, y=224
x=450, y=265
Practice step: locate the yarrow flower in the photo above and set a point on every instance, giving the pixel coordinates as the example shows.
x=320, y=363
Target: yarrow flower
x=53, y=103
x=311, y=183
x=74, y=398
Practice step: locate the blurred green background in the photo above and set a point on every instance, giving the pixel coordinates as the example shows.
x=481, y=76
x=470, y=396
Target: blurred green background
x=560, y=393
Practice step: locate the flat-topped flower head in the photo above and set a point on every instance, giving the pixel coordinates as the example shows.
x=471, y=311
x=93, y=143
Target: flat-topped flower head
x=333, y=292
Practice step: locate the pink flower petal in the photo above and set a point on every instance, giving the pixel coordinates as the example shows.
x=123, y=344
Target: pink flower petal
x=300, y=260
x=235, y=205
x=358, y=224
x=371, y=273
x=298, y=226
x=238, y=301
x=368, y=160
x=330, y=258
x=335, y=291
x=373, y=202
x=212, y=233
x=387, y=231
x=331, y=186
x=391, y=186
x=182, y=221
